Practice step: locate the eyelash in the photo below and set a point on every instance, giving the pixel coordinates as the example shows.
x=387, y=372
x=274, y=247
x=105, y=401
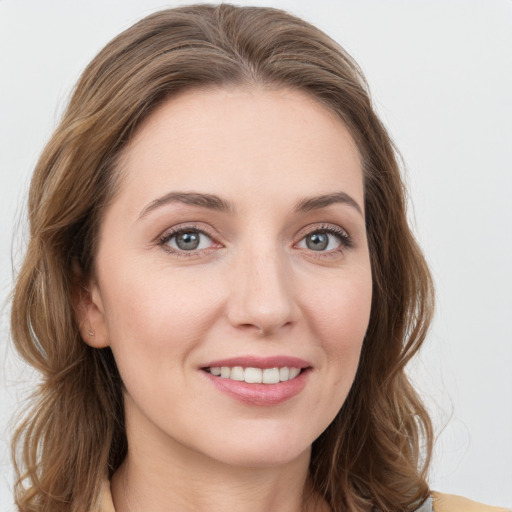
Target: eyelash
x=344, y=238
x=167, y=236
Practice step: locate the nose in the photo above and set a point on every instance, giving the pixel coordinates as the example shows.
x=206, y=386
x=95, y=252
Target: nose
x=262, y=298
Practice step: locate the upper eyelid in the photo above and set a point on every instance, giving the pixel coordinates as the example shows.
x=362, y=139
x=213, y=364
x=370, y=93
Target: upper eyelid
x=346, y=241
x=167, y=235
x=172, y=234
x=187, y=226
x=210, y=232
x=321, y=226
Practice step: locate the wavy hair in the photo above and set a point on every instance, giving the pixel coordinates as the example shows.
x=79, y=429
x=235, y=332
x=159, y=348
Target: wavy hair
x=375, y=454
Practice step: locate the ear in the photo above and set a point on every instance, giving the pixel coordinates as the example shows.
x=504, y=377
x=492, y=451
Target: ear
x=90, y=313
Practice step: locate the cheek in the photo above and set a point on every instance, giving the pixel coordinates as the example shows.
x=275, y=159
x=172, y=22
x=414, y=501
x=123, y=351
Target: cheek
x=339, y=316
x=155, y=324
x=153, y=312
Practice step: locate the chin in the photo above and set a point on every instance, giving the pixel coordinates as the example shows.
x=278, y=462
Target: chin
x=265, y=458
x=261, y=451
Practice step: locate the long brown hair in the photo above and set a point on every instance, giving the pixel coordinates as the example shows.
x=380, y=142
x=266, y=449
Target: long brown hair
x=375, y=454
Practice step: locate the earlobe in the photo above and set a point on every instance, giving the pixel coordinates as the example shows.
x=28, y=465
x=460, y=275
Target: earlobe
x=91, y=317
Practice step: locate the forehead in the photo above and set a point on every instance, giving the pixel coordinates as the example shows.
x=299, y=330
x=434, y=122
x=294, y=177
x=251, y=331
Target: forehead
x=230, y=140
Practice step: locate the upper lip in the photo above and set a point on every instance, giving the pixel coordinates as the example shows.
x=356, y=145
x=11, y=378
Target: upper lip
x=260, y=362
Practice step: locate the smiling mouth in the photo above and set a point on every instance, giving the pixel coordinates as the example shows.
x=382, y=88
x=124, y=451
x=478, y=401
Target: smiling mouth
x=252, y=375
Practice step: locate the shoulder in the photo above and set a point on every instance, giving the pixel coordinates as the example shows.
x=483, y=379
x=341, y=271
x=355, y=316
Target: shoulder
x=452, y=503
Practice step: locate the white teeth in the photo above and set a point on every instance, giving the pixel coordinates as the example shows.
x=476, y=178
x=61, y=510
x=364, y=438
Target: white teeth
x=253, y=375
x=237, y=373
x=293, y=373
x=256, y=375
x=270, y=376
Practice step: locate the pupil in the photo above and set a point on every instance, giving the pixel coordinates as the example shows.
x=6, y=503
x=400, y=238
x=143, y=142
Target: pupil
x=187, y=241
x=317, y=241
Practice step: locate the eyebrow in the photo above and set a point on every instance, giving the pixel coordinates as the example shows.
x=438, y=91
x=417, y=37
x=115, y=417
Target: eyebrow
x=209, y=201
x=318, y=202
x=214, y=202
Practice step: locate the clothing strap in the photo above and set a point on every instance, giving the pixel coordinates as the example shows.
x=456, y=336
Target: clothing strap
x=427, y=505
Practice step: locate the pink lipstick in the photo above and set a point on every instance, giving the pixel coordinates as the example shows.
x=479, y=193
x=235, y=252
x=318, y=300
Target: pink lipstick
x=262, y=381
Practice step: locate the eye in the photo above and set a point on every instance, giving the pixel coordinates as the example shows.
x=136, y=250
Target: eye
x=187, y=240
x=325, y=240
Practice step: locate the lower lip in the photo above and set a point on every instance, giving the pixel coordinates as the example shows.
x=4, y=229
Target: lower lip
x=260, y=394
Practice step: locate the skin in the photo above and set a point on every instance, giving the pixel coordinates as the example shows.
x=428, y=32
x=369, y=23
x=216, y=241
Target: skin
x=253, y=287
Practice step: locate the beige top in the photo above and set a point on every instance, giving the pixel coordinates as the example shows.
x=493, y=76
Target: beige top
x=441, y=503
x=452, y=503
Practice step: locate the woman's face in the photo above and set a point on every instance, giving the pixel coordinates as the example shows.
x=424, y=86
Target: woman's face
x=235, y=245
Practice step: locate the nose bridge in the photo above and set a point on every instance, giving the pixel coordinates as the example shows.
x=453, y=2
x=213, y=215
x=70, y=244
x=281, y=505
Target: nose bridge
x=261, y=289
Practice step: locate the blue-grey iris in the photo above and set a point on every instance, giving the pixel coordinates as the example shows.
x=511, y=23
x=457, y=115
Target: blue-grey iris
x=317, y=241
x=188, y=240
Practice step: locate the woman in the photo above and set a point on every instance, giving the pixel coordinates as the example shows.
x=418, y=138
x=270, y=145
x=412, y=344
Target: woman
x=221, y=290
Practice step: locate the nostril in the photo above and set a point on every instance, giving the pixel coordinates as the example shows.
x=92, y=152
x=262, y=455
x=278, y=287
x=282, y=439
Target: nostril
x=262, y=309
x=265, y=330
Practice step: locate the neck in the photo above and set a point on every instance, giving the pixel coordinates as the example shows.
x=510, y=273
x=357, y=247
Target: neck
x=243, y=489
x=168, y=476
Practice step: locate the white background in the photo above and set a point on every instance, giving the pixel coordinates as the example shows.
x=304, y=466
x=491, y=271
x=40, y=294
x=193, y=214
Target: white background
x=441, y=75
